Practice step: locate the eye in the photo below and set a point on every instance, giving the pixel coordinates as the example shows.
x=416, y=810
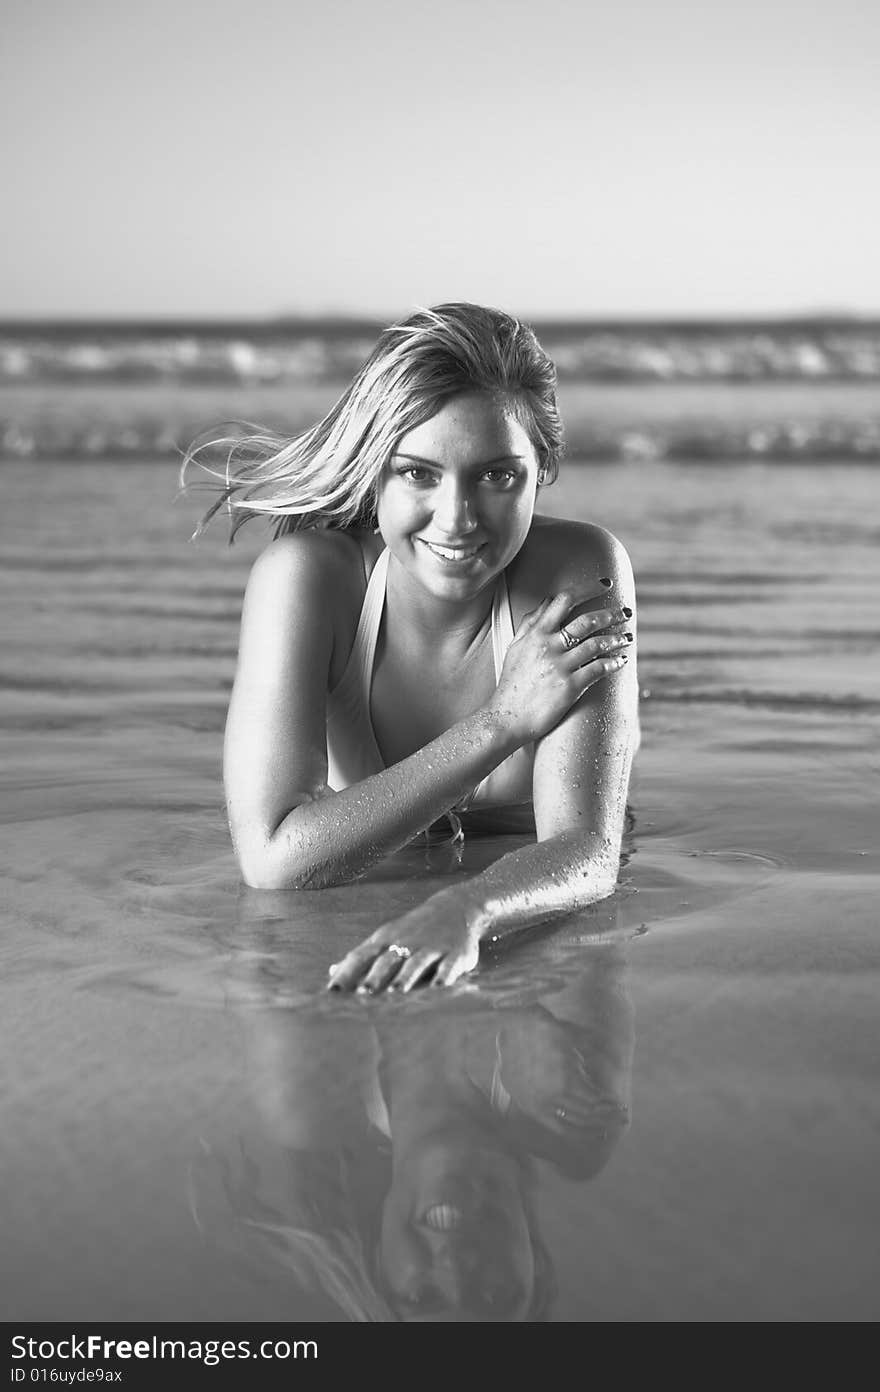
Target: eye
x=415, y=473
x=500, y=477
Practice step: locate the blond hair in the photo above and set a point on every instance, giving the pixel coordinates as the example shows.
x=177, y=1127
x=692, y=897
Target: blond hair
x=328, y=476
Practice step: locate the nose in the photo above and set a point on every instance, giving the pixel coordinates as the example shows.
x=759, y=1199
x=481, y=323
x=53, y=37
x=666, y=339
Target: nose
x=454, y=508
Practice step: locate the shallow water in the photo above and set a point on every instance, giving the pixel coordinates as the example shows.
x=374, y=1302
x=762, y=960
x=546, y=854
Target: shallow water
x=193, y=1130
x=718, y=421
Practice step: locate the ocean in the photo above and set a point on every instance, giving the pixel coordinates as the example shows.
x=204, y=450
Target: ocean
x=194, y=1130
x=804, y=389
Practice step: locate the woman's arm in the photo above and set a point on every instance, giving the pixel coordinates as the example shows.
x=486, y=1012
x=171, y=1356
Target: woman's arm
x=288, y=828
x=581, y=776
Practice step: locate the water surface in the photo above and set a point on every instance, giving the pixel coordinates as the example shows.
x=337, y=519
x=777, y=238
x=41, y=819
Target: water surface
x=193, y=1130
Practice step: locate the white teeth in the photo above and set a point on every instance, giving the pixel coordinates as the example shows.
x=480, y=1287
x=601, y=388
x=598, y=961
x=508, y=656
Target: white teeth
x=447, y=553
x=443, y=1218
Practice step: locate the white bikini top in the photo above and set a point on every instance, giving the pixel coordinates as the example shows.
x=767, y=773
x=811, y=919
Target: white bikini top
x=352, y=751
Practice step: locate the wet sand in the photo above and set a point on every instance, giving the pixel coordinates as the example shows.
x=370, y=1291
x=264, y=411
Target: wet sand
x=178, y=1089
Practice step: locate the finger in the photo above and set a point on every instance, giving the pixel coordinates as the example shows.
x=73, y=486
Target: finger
x=591, y=649
x=558, y=606
x=602, y=667
x=346, y=978
x=345, y=974
x=576, y=1108
x=571, y=1110
x=529, y=620
x=384, y=969
x=581, y=626
x=419, y=966
x=586, y=1083
x=570, y=615
x=570, y=598
x=449, y=970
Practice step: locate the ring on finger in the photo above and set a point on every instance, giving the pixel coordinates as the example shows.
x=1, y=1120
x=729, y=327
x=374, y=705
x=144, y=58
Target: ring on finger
x=568, y=639
x=399, y=951
x=412, y=971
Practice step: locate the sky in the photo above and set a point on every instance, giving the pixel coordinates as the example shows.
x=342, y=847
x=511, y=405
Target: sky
x=554, y=157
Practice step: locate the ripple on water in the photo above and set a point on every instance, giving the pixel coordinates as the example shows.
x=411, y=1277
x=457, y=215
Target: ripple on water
x=750, y=857
x=671, y=880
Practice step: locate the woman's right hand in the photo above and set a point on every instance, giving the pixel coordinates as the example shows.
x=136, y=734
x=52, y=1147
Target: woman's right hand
x=543, y=675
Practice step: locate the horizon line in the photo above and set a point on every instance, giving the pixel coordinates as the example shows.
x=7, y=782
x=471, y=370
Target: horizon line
x=365, y=319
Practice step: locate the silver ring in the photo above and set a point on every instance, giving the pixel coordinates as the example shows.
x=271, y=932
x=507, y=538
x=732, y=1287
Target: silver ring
x=568, y=638
x=399, y=951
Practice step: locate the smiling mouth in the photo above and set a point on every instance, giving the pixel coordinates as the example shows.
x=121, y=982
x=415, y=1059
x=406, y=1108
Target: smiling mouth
x=452, y=554
x=442, y=1217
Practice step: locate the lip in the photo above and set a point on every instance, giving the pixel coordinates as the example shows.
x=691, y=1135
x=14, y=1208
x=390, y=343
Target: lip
x=463, y=553
x=442, y=1217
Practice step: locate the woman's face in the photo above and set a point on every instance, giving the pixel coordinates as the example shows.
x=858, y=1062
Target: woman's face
x=456, y=500
x=455, y=1240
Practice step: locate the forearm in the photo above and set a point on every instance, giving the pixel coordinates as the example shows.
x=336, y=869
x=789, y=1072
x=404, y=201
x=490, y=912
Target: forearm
x=335, y=837
x=539, y=882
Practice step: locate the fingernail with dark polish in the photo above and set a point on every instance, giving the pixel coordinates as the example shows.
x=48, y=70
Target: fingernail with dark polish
x=603, y=580
x=627, y=613
x=628, y=637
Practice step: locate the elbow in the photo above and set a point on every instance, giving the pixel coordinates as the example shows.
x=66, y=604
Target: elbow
x=258, y=876
x=262, y=867
x=262, y=872
x=266, y=867
x=598, y=877
x=604, y=886
x=291, y=854
x=263, y=877
x=258, y=872
x=591, y=888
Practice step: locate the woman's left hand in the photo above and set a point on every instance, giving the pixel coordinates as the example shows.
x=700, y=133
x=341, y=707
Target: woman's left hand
x=437, y=941
x=547, y=1075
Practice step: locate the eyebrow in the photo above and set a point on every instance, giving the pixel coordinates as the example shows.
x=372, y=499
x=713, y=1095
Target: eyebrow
x=432, y=463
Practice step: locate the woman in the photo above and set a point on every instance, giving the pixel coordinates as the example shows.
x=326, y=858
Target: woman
x=417, y=643
x=393, y=1162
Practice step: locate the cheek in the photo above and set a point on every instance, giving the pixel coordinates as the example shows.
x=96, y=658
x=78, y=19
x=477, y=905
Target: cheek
x=394, y=506
x=515, y=514
x=399, y=515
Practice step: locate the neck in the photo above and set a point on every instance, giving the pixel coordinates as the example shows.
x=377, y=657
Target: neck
x=430, y=619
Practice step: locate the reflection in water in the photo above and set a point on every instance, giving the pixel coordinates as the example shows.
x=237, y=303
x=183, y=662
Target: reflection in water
x=395, y=1161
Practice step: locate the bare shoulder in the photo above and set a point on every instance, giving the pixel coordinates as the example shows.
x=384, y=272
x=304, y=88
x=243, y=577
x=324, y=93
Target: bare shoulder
x=308, y=581
x=559, y=554
x=313, y=572
x=308, y=557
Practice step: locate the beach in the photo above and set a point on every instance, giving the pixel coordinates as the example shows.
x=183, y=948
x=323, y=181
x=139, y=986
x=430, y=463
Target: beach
x=178, y=1084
